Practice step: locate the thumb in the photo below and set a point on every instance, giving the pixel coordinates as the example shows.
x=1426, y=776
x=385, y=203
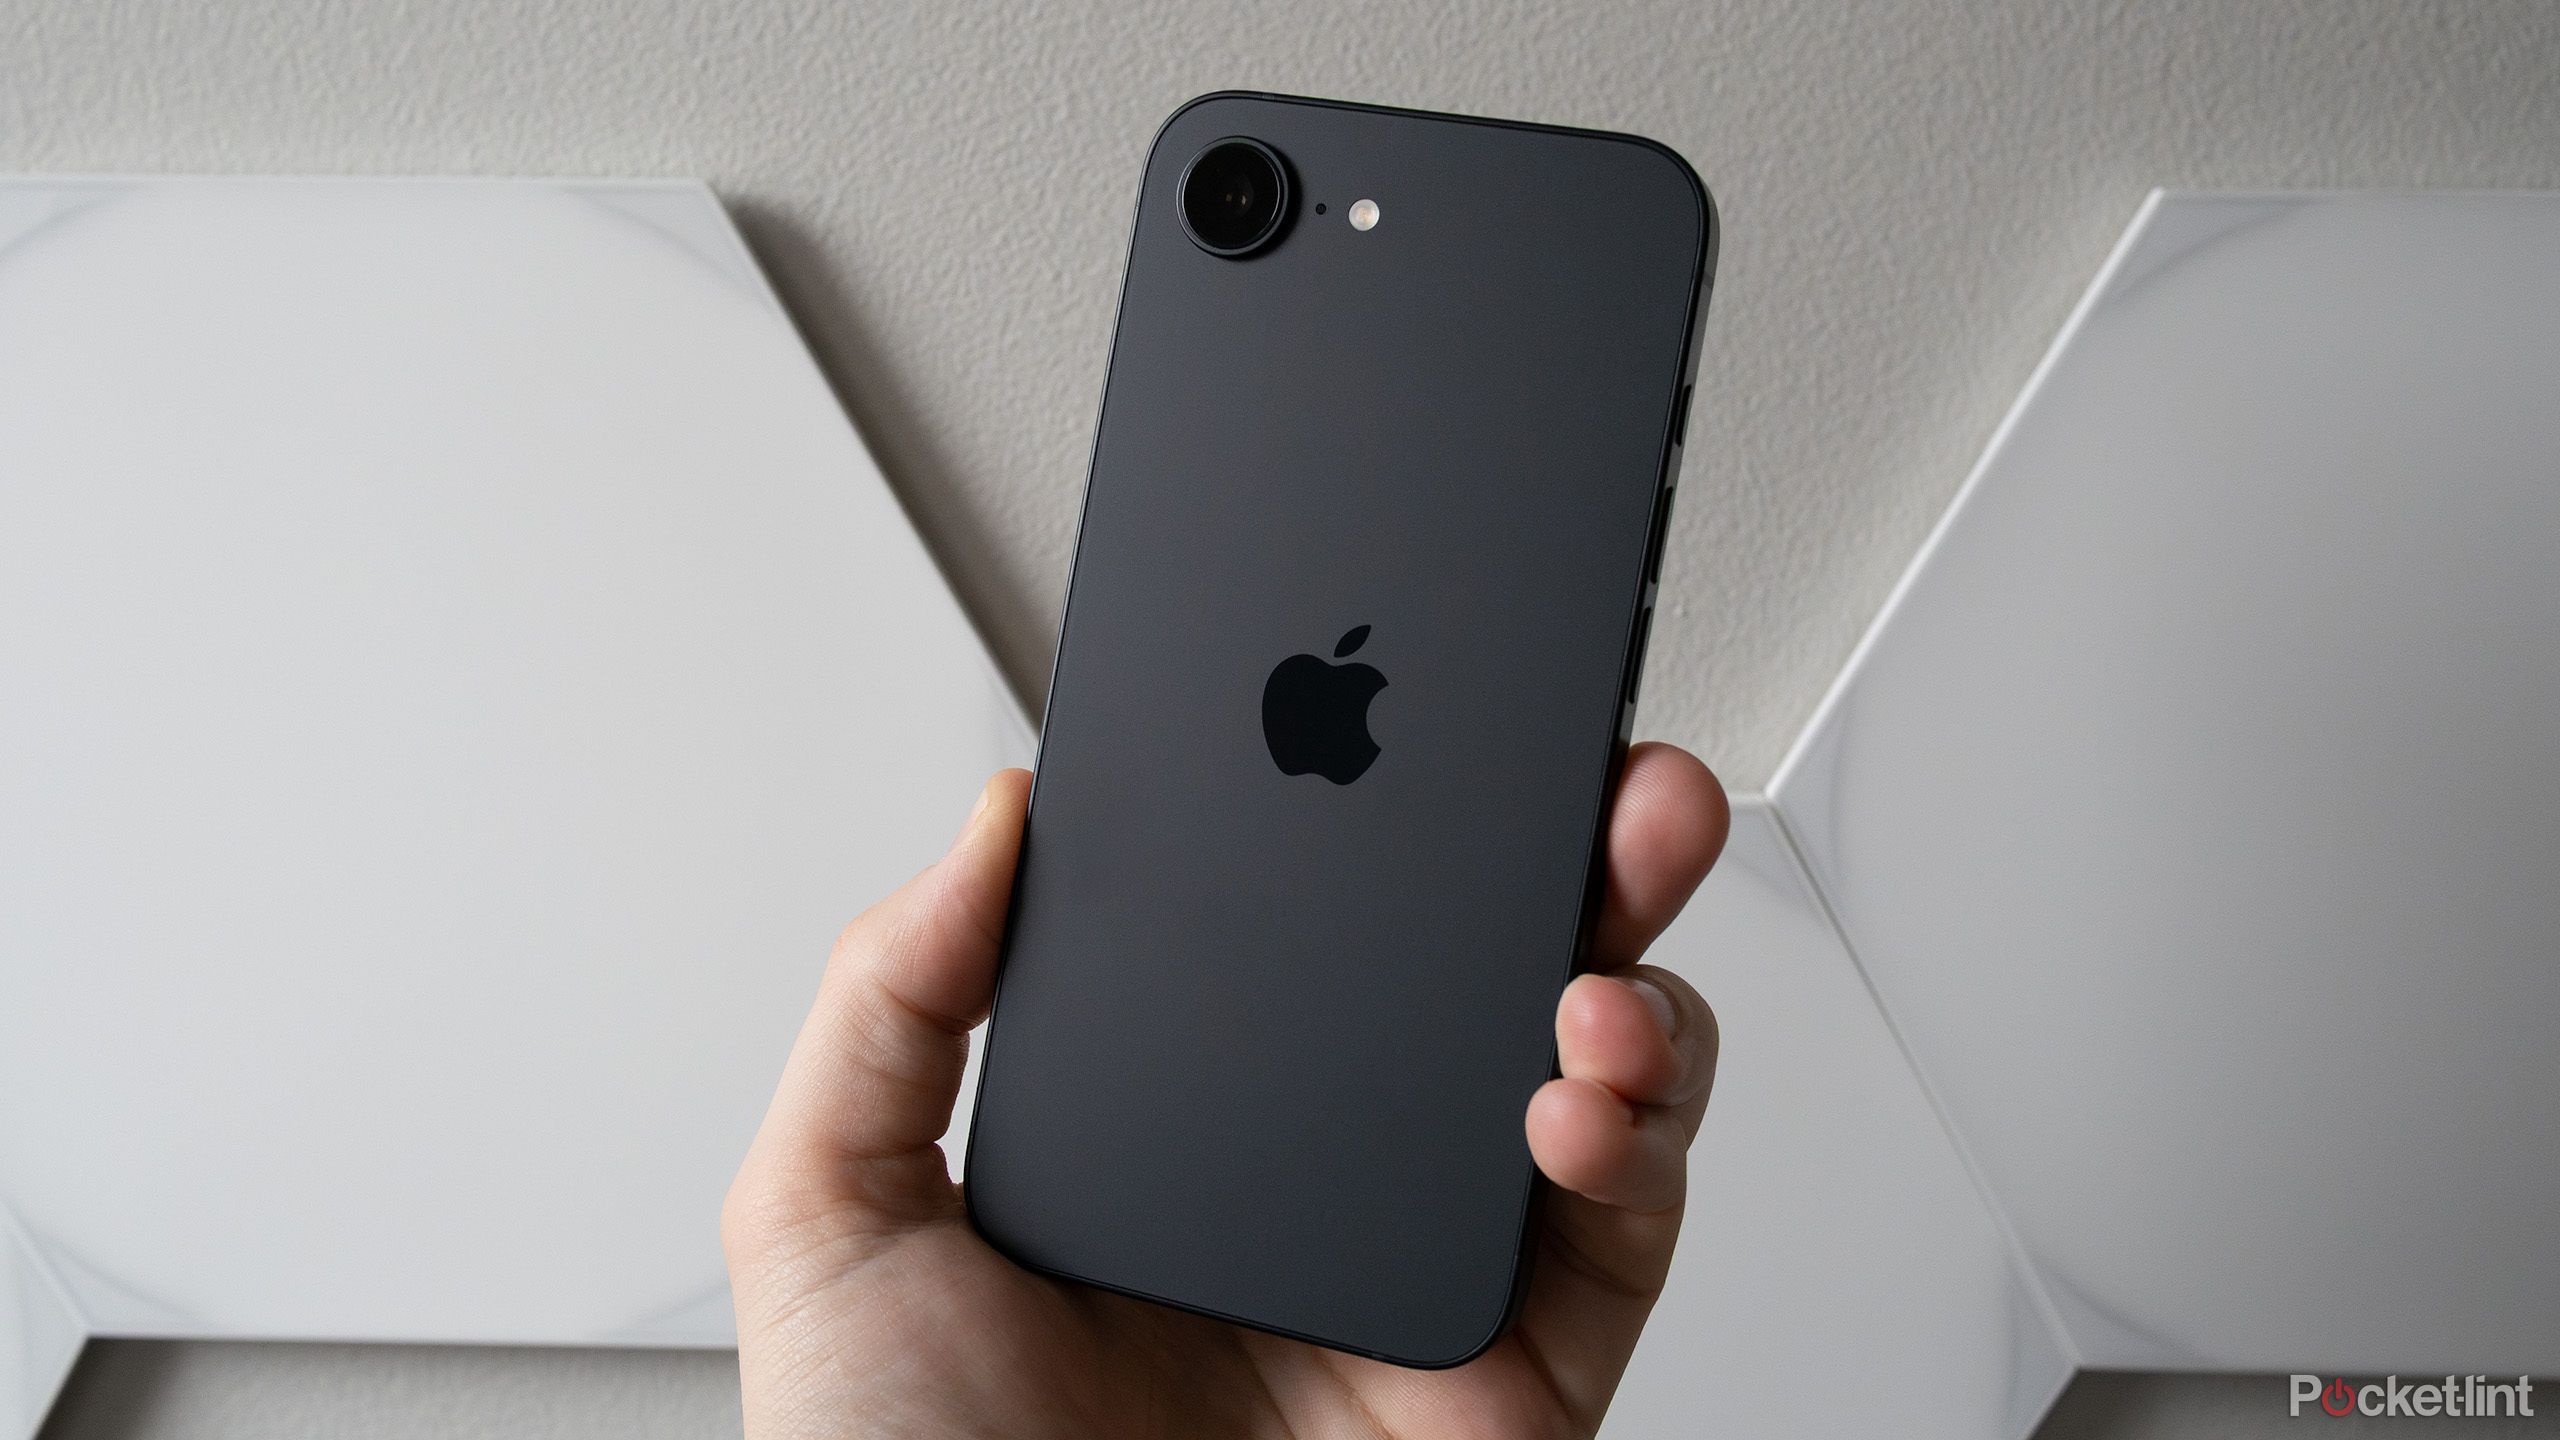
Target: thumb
x=870, y=1082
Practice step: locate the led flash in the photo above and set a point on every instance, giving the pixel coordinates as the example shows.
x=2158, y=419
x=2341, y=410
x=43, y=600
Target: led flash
x=1364, y=214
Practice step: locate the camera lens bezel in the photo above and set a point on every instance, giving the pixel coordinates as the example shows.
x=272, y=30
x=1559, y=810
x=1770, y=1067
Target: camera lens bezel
x=1274, y=218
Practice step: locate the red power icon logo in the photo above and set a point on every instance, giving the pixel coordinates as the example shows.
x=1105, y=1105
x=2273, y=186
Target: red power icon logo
x=2339, y=1398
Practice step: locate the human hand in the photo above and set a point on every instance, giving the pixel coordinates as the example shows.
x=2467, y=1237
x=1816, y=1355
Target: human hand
x=867, y=1306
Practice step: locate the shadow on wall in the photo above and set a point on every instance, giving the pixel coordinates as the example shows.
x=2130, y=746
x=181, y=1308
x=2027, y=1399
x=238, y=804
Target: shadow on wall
x=2114, y=1405
x=231, y=1390
x=149, y=1389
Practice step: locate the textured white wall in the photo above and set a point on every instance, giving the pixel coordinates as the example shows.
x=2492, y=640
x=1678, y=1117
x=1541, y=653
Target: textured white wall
x=1913, y=195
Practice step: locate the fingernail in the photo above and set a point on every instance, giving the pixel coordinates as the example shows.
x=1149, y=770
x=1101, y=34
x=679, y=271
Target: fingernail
x=1657, y=1000
x=986, y=794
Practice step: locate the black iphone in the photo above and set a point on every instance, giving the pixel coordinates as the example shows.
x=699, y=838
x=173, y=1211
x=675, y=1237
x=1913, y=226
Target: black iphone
x=1360, y=600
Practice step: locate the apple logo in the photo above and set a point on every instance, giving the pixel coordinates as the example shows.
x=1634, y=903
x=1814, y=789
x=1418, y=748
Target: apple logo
x=1315, y=716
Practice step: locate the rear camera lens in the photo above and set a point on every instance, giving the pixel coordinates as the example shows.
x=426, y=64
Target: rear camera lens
x=1235, y=195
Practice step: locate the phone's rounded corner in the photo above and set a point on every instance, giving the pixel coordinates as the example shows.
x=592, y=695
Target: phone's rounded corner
x=973, y=1206
x=1685, y=178
x=992, y=1235
x=1515, y=1297
x=1471, y=1352
x=1155, y=143
x=1713, y=239
x=1468, y=1356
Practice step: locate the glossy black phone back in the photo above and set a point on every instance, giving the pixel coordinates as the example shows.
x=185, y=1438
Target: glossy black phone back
x=1263, y=1041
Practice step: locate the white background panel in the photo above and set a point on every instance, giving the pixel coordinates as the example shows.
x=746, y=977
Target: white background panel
x=458, y=669
x=1838, y=1274
x=2196, y=808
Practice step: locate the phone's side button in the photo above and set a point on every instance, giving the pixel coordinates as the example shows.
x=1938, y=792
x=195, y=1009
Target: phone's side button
x=1635, y=659
x=1661, y=539
x=1680, y=416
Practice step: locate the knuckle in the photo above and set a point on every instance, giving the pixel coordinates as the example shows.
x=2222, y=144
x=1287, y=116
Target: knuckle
x=757, y=1209
x=740, y=1211
x=849, y=939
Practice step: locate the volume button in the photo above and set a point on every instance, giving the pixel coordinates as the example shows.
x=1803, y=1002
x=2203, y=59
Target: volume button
x=1635, y=658
x=1661, y=539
